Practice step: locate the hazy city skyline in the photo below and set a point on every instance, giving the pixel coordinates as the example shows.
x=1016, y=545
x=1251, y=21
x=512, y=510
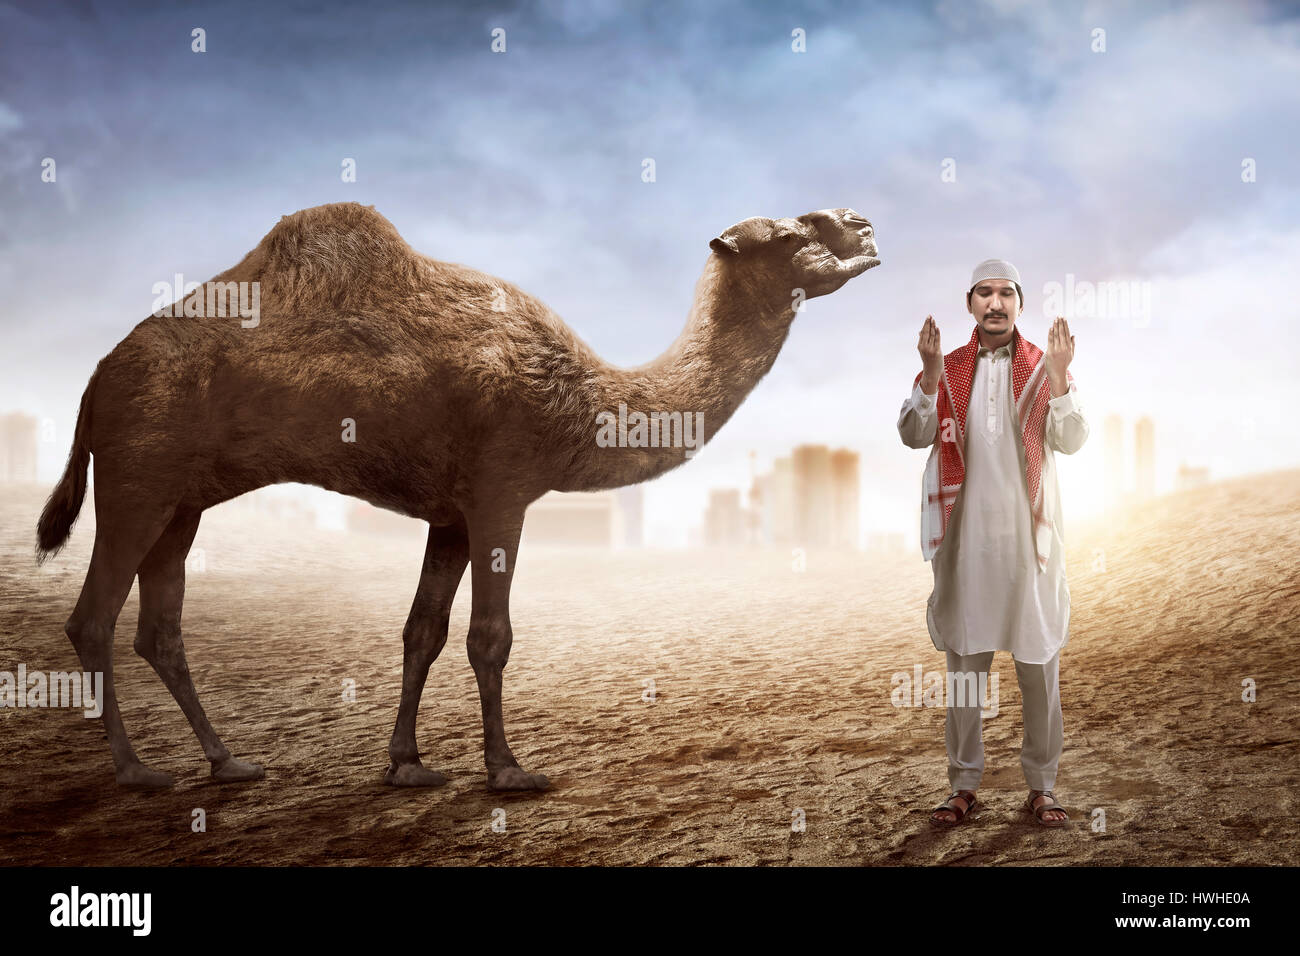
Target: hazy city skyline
x=962, y=131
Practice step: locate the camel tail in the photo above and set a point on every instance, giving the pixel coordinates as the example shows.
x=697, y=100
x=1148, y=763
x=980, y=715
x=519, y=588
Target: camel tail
x=65, y=501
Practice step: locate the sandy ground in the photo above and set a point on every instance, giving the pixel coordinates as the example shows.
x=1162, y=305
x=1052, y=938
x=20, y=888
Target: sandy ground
x=772, y=696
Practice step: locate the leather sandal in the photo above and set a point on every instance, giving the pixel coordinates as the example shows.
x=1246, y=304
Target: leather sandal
x=965, y=796
x=1050, y=805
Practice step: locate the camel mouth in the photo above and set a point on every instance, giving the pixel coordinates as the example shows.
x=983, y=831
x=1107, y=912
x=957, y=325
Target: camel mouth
x=854, y=244
x=848, y=235
x=868, y=248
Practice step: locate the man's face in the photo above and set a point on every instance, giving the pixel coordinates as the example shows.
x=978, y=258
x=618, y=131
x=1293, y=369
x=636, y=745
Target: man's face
x=995, y=305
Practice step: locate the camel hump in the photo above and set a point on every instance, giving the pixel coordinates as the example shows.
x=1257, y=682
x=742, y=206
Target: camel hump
x=340, y=241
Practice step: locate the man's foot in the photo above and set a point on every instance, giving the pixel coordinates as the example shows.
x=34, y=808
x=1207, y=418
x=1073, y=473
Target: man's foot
x=953, y=810
x=1038, y=803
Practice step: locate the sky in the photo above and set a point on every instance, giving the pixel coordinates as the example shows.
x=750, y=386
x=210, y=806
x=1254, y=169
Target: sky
x=1159, y=153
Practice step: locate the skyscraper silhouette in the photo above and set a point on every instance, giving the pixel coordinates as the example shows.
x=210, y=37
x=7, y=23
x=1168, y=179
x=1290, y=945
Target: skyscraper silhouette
x=1144, y=455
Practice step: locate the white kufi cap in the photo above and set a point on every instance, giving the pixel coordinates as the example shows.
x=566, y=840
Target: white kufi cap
x=994, y=269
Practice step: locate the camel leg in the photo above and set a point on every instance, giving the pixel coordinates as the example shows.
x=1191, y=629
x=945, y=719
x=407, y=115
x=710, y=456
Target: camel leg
x=158, y=639
x=119, y=547
x=445, y=557
x=494, y=543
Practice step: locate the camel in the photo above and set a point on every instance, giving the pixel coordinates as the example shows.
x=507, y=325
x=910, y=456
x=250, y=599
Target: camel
x=468, y=398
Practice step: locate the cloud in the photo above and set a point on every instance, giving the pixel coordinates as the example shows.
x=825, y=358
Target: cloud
x=9, y=120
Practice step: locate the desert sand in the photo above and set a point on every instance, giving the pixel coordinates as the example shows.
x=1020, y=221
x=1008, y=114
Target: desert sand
x=772, y=698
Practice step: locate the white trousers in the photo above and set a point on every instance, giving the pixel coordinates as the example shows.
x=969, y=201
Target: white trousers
x=1040, y=751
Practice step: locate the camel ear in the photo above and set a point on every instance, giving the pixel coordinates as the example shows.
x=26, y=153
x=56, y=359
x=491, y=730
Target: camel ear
x=725, y=245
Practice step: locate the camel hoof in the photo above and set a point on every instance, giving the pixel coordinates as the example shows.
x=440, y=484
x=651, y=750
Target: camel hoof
x=413, y=775
x=137, y=776
x=516, y=778
x=232, y=771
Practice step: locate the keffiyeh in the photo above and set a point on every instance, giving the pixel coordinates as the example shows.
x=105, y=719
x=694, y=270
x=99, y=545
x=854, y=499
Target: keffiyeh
x=1031, y=392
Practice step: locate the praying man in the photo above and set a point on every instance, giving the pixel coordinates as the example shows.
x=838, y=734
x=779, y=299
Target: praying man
x=993, y=412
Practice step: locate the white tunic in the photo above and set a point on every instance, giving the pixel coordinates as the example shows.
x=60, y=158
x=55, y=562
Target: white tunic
x=989, y=594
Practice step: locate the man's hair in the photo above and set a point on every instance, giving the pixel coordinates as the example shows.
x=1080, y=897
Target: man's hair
x=1019, y=292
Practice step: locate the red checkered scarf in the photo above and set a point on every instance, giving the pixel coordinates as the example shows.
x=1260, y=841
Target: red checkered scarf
x=1031, y=392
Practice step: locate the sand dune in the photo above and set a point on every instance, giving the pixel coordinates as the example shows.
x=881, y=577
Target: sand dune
x=772, y=696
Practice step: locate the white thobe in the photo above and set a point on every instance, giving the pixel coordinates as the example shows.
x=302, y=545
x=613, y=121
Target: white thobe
x=989, y=594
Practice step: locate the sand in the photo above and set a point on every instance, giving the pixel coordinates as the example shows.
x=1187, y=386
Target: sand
x=772, y=702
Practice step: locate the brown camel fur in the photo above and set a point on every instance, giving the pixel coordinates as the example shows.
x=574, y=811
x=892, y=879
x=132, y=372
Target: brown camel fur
x=470, y=398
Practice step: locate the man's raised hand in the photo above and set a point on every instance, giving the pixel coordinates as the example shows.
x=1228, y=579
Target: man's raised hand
x=931, y=355
x=1060, y=353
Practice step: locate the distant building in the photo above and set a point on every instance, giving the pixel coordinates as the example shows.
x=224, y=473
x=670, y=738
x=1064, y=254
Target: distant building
x=773, y=499
x=577, y=519
x=813, y=498
x=844, y=499
x=365, y=518
x=810, y=499
x=632, y=502
x=1114, y=461
x=604, y=519
x=17, y=447
x=1192, y=477
x=265, y=501
x=724, y=519
x=1144, y=454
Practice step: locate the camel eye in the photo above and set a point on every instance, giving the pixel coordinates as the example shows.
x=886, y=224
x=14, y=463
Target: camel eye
x=787, y=236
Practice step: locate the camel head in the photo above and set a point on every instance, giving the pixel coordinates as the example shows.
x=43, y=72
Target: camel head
x=817, y=252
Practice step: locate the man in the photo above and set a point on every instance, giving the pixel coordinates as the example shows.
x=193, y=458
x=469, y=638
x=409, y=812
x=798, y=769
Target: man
x=991, y=523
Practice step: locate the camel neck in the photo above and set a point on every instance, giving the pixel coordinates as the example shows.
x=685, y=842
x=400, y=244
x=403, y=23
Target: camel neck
x=732, y=337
